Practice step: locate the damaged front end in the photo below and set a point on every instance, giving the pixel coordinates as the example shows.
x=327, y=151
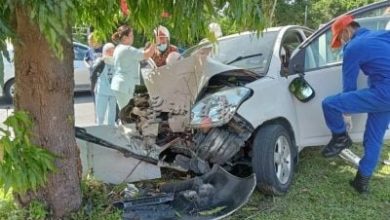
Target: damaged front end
x=223, y=145
x=196, y=132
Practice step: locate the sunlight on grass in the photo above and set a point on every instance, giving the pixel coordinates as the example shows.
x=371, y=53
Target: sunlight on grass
x=5, y=198
x=8, y=209
x=321, y=190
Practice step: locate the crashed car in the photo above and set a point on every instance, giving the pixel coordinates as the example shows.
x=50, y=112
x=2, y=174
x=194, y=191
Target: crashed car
x=215, y=106
x=249, y=103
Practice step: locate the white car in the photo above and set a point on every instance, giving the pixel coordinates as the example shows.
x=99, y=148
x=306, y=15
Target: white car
x=81, y=72
x=249, y=103
x=245, y=103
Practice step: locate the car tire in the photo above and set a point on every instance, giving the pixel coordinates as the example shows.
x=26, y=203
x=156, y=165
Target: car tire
x=9, y=89
x=273, y=159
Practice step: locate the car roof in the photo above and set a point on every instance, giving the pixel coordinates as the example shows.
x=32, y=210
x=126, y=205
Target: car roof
x=271, y=29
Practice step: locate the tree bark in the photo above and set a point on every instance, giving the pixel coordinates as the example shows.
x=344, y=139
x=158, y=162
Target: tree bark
x=45, y=89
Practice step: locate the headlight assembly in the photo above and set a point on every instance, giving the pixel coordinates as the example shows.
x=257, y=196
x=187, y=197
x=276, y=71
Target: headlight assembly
x=218, y=109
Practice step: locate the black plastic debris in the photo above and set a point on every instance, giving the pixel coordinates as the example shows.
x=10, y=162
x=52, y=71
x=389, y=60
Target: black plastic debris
x=215, y=195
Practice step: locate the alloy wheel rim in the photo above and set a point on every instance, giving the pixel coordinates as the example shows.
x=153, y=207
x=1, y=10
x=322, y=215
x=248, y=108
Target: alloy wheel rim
x=282, y=159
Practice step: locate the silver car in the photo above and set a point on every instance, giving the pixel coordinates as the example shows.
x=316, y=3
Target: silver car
x=81, y=72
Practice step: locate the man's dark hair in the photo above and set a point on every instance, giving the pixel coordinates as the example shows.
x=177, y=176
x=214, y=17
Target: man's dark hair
x=354, y=25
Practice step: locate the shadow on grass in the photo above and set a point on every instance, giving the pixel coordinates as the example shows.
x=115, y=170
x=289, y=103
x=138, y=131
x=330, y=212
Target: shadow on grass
x=321, y=190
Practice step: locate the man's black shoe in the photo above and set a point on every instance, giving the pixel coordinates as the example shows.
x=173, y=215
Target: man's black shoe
x=336, y=145
x=360, y=183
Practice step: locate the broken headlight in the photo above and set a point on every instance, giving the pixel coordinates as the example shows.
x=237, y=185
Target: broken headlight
x=218, y=109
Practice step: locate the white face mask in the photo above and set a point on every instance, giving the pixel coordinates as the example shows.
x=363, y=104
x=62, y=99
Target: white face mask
x=162, y=47
x=109, y=60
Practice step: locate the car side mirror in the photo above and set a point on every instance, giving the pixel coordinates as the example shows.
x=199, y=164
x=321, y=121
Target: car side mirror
x=301, y=89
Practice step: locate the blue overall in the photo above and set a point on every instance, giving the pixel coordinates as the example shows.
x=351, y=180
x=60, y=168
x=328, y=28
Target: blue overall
x=370, y=52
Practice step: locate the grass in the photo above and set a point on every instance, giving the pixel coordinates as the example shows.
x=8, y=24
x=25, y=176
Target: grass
x=320, y=190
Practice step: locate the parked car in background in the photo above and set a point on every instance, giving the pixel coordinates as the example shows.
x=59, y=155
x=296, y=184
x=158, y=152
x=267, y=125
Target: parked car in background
x=81, y=72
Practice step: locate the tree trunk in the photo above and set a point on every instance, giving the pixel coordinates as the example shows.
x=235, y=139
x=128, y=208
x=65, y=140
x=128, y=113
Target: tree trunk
x=45, y=89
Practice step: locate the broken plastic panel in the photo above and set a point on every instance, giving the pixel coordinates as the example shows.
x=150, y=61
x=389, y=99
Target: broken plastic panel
x=215, y=195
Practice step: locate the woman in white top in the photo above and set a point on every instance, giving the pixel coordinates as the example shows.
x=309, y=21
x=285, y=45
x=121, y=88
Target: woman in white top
x=126, y=61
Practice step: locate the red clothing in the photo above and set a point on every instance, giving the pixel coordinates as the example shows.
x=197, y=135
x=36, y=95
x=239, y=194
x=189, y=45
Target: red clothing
x=160, y=58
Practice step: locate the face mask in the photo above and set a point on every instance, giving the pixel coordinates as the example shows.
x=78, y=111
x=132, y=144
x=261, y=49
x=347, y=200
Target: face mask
x=162, y=47
x=109, y=60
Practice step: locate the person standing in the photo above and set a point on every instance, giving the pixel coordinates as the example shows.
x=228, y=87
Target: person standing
x=104, y=96
x=164, y=47
x=368, y=51
x=126, y=62
x=94, y=52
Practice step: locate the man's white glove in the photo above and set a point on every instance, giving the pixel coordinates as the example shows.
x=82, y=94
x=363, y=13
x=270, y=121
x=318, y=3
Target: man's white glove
x=348, y=122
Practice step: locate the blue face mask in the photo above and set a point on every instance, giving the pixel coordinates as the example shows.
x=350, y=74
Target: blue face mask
x=162, y=47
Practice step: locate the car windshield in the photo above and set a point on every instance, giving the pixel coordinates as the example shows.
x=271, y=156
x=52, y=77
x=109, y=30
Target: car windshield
x=248, y=50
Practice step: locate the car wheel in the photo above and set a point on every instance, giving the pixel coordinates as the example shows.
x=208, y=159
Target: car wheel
x=9, y=89
x=273, y=159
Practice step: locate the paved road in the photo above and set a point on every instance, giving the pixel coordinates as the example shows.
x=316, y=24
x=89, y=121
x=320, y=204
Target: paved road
x=84, y=109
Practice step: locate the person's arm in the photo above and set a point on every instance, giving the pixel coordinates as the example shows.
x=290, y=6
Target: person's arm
x=353, y=56
x=148, y=52
x=88, y=59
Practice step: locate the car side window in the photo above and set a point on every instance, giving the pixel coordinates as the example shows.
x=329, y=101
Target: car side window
x=291, y=40
x=319, y=53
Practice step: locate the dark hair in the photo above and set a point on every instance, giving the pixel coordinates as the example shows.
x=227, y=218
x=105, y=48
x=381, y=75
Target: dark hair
x=122, y=31
x=354, y=25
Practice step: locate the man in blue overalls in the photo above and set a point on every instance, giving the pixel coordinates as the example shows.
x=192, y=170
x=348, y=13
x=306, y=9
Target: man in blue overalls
x=368, y=51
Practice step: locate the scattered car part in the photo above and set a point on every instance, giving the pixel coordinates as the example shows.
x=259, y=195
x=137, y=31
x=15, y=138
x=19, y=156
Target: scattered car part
x=82, y=133
x=354, y=159
x=128, y=160
x=350, y=156
x=215, y=195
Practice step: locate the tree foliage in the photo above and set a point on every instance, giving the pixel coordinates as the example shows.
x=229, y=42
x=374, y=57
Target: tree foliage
x=50, y=21
x=318, y=11
x=23, y=165
x=187, y=20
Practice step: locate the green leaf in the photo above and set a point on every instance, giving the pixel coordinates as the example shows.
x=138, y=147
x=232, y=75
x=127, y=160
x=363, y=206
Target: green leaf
x=24, y=166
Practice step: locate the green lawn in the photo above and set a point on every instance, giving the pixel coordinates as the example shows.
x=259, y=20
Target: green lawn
x=320, y=190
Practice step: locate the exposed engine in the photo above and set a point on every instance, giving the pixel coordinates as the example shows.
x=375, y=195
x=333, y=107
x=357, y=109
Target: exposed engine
x=184, y=148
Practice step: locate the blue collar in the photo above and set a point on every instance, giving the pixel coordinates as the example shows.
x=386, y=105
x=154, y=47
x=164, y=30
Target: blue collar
x=358, y=32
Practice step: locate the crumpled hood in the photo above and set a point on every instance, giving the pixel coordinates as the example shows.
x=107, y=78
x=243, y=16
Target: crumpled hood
x=174, y=88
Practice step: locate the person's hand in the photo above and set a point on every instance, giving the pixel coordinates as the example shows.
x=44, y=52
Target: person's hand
x=150, y=50
x=153, y=46
x=348, y=122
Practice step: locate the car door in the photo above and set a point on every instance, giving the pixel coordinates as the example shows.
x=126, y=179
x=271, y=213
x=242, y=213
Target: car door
x=81, y=72
x=321, y=67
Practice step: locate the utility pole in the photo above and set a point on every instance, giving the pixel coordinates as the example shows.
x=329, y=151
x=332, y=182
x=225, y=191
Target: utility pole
x=305, y=22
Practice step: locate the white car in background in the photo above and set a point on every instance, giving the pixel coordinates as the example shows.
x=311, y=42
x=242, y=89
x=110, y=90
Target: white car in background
x=81, y=72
